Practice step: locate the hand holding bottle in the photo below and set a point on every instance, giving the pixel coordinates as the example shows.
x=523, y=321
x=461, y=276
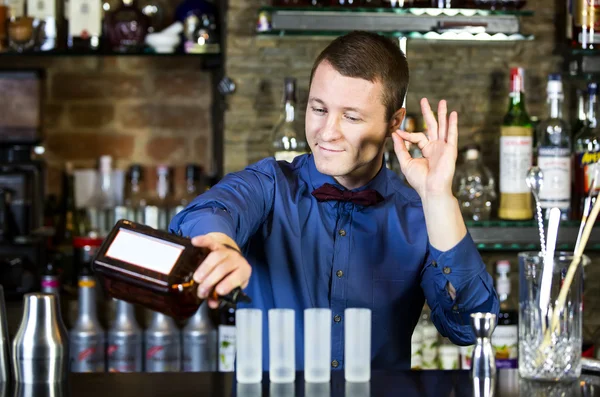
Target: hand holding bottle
x=223, y=270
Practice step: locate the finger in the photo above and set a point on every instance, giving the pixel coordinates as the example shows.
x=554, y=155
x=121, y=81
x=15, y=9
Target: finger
x=237, y=278
x=206, y=241
x=432, y=127
x=401, y=151
x=417, y=138
x=441, y=118
x=453, y=129
x=208, y=265
x=218, y=274
x=213, y=303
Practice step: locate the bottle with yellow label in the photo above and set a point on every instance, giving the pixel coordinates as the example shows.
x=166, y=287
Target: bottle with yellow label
x=516, y=152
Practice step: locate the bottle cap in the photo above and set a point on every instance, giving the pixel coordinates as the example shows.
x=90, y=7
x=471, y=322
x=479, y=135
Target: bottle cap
x=517, y=79
x=162, y=170
x=502, y=266
x=592, y=88
x=105, y=163
x=555, y=86
x=471, y=151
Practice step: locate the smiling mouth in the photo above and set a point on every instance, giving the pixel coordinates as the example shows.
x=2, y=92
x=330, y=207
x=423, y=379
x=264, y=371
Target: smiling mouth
x=330, y=150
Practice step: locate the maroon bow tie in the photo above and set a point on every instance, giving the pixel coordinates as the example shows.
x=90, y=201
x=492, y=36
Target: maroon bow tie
x=364, y=197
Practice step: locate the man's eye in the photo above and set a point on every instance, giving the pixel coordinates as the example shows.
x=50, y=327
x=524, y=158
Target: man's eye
x=318, y=110
x=353, y=119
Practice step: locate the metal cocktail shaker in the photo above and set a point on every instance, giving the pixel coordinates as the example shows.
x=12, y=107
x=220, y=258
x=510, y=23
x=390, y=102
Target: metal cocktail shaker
x=40, y=348
x=483, y=362
x=4, y=342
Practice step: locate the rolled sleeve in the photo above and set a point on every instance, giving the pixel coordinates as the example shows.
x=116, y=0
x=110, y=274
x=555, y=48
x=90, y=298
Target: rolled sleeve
x=205, y=220
x=462, y=267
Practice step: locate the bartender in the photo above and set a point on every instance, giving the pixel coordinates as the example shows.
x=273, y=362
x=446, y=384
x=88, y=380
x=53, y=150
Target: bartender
x=336, y=228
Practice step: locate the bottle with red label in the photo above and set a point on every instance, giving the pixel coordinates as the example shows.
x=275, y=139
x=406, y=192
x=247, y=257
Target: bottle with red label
x=586, y=156
x=124, y=352
x=87, y=338
x=163, y=345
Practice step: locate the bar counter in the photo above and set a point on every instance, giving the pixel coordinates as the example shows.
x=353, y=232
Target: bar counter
x=384, y=384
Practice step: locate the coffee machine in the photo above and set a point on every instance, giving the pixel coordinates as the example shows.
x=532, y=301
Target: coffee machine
x=22, y=183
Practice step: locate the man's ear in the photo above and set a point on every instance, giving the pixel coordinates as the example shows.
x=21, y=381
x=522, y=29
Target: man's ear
x=396, y=121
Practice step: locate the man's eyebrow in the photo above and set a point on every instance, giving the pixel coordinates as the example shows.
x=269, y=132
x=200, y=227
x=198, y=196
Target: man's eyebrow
x=347, y=108
x=315, y=99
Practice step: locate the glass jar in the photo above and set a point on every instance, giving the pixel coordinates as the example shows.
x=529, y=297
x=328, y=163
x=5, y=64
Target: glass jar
x=126, y=27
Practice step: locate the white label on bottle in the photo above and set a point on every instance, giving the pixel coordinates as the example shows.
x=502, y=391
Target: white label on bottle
x=449, y=357
x=505, y=341
x=466, y=353
x=555, y=163
x=226, y=348
x=515, y=161
x=42, y=9
x=416, y=358
x=503, y=286
x=288, y=156
x=85, y=18
x=16, y=8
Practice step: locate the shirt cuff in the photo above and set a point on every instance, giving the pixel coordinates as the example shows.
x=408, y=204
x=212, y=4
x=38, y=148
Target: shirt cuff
x=463, y=267
x=203, y=221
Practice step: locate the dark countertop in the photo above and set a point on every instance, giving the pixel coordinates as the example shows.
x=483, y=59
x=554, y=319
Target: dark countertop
x=396, y=384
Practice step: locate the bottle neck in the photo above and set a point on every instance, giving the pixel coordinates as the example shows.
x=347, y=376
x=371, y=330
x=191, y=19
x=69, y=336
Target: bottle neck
x=162, y=187
x=591, y=112
x=192, y=187
x=87, y=298
x=555, y=107
x=581, y=114
x=290, y=110
x=503, y=287
x=516, y=101
x=125, y=311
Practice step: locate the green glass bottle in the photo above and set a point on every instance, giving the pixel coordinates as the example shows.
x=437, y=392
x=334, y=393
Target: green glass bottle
x=516, y=153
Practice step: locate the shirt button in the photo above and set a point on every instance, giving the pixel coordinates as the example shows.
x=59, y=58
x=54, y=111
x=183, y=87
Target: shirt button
x=339, y=273
x=342, y=232
x=434, y=263
x=335, y=363
x=447, y=270
x=337, y=318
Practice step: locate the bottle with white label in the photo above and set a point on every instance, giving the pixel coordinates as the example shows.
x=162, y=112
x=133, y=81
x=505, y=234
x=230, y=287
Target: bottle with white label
x=554, y=153
x=226, y=339
x=288, y=138
x=48, y=18
x=516, y=151
x=85, y=25
x=416, y=348
x=505, y=339
x=429, y=342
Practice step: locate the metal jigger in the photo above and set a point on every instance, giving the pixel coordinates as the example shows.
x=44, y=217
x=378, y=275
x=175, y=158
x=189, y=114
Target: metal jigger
x=40, y=348
x=4, y=350
x=483, y=362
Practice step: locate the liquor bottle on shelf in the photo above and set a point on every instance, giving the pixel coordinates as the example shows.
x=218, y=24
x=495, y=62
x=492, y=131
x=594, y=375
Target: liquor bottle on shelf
x=581, y=115
x=126, y=27
x=505, y=338
x=516, y=151
x=586, y=156
x=201, y=30
x=399, y=3
x=586, y=16
x=554, y=153
x=16, y=8
x=48, y=22
x=474, y=186
x=87, y=337
x=429, y=342
x=448, y=355
x=195, y=184
x=50, y=279
x=69, y=224
x=124, y=351
x=135, y=194
x=288, y=139
x=159, y=13
x=227, y=341
x=162, y=341
x=156, y=212
x=200, y=343
x=85, y=25
x=104, y=201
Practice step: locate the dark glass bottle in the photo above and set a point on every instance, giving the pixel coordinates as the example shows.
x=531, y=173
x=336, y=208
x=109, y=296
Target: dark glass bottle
x=227, y=339
x=201, y=31
x=126, y=28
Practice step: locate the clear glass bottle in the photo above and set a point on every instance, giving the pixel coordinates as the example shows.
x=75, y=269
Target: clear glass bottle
x=104, y=202
x=554, y=153
x=135, y=194
x=516, y=153
x=194, y=185
x=126, y=27
x=474, y=186
x=586, y=156
x=226, y=338
x=581, y=115
x=201, y=30
x=288, y=138
x=505, y=338
x=48, y=17
x=156, y=212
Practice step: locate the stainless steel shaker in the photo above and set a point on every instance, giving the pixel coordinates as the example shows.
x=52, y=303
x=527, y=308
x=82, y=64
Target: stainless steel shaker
x=4, y=342
x=40, y=347
x=483, y=361
x=59, y=389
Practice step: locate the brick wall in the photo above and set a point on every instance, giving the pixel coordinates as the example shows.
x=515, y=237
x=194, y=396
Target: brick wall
x=138, y=109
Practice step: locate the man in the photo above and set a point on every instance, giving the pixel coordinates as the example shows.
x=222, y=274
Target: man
x=307, y=244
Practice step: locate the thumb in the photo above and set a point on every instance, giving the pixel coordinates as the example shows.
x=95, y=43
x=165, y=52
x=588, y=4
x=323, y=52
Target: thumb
x=206, y=242
x=401, y=151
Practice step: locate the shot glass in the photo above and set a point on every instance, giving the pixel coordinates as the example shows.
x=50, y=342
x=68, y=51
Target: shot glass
x=282, y=357
x=317, y=345
x=248, y=326
x=357, y=345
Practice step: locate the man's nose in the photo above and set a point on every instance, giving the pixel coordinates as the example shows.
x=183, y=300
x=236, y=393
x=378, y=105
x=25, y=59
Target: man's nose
x=331, y=131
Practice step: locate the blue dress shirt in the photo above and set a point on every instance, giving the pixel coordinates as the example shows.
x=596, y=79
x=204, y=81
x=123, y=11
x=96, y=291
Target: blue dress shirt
x=339, y=255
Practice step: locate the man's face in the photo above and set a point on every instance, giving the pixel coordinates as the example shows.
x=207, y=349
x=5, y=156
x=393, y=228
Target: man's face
x=345, y=126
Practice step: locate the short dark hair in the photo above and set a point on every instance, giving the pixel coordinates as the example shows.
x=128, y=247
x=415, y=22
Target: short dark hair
x=371, y=57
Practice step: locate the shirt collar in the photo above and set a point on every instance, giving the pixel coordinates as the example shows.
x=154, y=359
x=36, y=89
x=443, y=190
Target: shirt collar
x=317, y=179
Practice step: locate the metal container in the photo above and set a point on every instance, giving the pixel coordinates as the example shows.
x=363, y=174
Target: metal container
x=40, y=348
x=483, y=362
x=124, y=352
x=4, y=342
x=59, y=389
x=200, y=342
x=163, y=345
x=87, y=338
